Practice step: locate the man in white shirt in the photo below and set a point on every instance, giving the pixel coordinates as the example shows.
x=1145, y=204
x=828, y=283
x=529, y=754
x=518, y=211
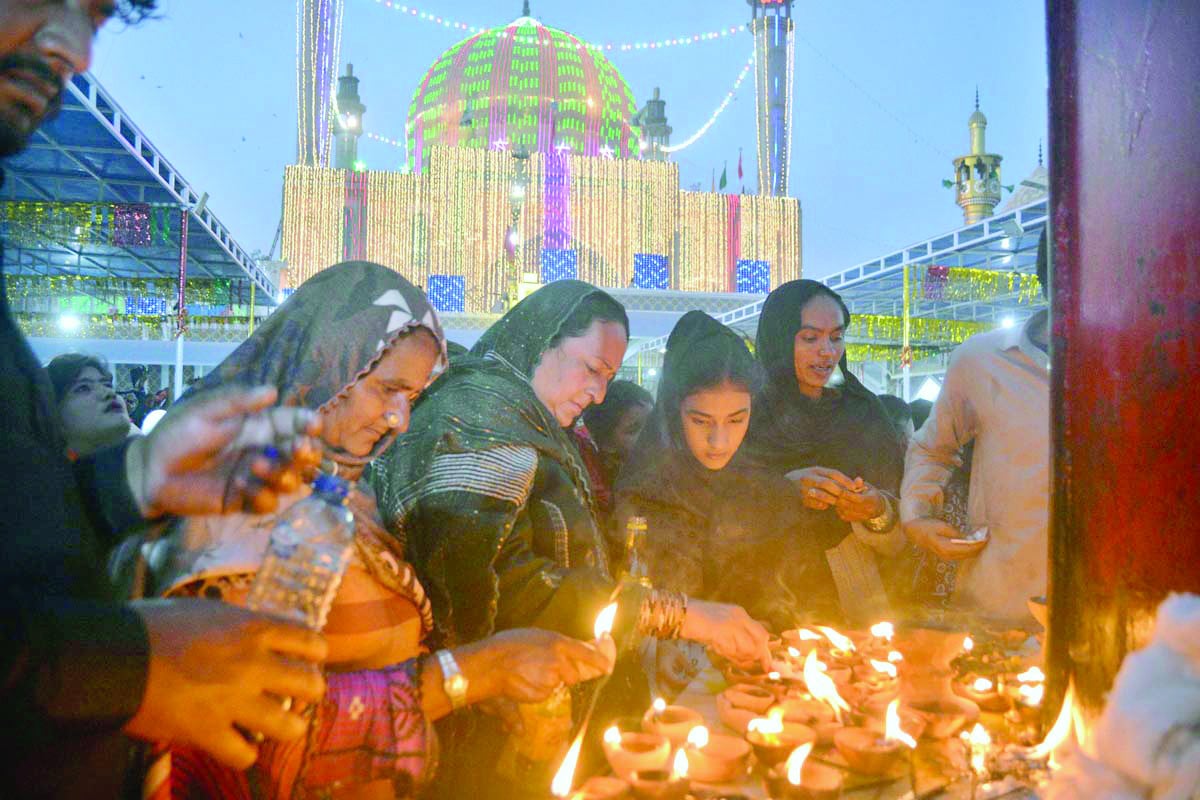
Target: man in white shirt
x=996, y=394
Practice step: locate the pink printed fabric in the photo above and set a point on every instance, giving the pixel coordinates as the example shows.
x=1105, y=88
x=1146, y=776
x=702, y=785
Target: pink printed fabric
x=369, y=727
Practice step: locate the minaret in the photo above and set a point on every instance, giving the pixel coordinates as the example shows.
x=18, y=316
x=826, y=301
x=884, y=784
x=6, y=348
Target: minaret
x=774, y=52
x=347, y=125
x=656, y=132
x=977, y=175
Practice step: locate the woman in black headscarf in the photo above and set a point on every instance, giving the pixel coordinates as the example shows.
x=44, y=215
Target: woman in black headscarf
x=834, y=442
x=715, y=529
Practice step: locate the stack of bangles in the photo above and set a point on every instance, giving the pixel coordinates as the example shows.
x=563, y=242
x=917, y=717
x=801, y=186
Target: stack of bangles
x=885, y=521
x=662, y=614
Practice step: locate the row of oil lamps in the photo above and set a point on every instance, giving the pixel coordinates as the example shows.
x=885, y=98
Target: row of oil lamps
x=784, y=714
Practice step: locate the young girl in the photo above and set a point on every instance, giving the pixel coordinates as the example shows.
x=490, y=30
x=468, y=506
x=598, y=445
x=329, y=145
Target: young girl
x=714, y=530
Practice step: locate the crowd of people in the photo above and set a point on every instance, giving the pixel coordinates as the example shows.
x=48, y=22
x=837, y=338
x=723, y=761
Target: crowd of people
x=491, y=491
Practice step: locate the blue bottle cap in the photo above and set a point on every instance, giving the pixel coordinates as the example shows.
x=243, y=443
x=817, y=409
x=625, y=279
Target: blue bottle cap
x=331, y=484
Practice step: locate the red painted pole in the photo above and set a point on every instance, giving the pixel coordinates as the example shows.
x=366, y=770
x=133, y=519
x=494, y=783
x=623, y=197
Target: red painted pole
x=1125, y=192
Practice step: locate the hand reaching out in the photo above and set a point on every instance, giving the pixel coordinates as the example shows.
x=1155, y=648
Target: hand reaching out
x=228, y=450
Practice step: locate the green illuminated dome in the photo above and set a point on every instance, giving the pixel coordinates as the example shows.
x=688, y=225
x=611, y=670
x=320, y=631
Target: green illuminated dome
x=523, y=86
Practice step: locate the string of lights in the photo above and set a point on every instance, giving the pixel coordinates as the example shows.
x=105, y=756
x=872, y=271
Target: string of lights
x=695, y=137
x=452, y=218
x=413, y=12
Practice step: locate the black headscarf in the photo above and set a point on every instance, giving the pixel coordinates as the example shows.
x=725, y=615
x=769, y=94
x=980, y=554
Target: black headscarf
x=847, y=429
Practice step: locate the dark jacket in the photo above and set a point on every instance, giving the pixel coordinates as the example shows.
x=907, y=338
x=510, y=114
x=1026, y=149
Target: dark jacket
x=74, y=661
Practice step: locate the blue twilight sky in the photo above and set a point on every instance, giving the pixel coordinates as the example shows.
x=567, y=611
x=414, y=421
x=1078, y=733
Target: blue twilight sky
x=882, y=95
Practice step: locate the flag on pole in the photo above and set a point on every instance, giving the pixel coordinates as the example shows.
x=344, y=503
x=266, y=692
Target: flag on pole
x=724, y=180
x=714, y=181
x=740, y=174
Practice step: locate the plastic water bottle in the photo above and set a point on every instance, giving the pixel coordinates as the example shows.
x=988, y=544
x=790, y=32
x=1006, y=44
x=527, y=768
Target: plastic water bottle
x=307, y=556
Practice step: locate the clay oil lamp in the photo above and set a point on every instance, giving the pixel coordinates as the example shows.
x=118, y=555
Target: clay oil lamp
x=634, y=751
x=800, y=779
x=877, y=677
x=1027, y=690
x=750, y=697
x=868, y=752
x=802, y=640
x=716, y=758
x=734, y=717
x=984, y=693
x=673, y=722
x=663, y=784
x=773, y=739
x=873, y=713
x=946, y=716
x=602, y=787
x=843, y=650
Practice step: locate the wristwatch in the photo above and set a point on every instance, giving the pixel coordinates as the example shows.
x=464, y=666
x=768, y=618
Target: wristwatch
x=453, y=681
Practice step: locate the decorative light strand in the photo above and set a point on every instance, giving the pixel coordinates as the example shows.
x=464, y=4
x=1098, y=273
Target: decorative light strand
x=451, y=220
x=659, y=44
x=675, y=148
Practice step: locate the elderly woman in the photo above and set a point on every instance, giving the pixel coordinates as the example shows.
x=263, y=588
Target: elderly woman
x=494, y=503
x=358, y=344
x=834, y=442
x=92, y=415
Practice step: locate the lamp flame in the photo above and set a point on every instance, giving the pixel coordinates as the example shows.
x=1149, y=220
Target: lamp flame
x=1032, y=675
x=561, y=785
x=885, y=667
x=795, y=763
x=968, y=644
x=822, y=687
x=838, y=640
x=808, y=636
x=892, y=732
x=774, y=676
x=604, y=621
x=793, y=652
x=883, y=630
x=770, y=725
x=979, y=740
x=895, y=657
x=612, y=736
x=1032, y=694
x=659, y=705
x=698, y=737
x=982, y=685
x=679, y=769
x=1061, y=729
